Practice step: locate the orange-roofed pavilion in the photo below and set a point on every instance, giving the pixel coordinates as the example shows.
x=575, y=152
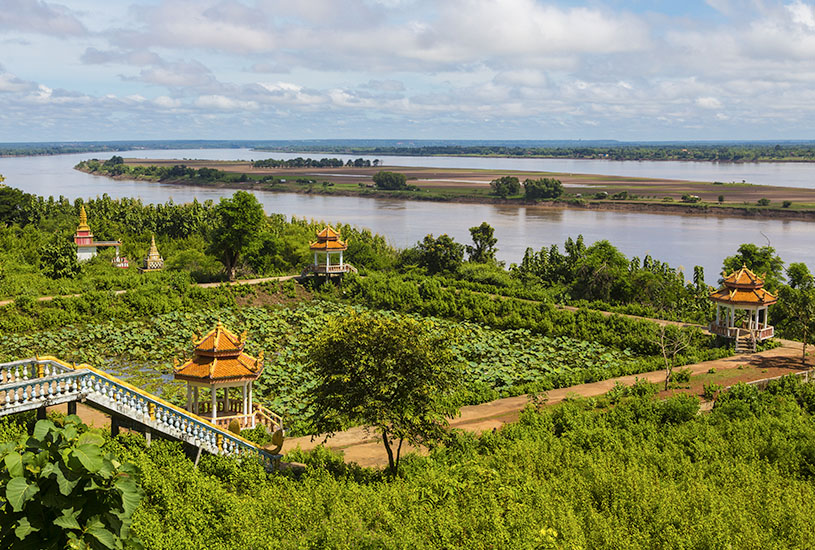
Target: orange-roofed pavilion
x=328, y=245
x=219, y=363
x=742, y=290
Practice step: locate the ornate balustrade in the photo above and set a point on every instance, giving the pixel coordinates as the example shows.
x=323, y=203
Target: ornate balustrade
x=35, y=383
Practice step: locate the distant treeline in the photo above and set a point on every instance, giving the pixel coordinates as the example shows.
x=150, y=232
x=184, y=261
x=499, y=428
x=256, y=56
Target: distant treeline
x=746, y=152
x=300, y=162
x=115, y=166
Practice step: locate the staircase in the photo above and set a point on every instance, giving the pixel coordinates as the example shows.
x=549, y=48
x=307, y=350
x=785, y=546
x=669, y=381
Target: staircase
x=41, y=382
x=745, y=342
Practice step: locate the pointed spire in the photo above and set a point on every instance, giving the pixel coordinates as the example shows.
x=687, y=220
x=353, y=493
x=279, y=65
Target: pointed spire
x=83, y=219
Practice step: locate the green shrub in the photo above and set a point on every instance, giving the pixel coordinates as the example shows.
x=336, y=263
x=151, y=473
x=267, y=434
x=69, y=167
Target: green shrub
x=62, y=490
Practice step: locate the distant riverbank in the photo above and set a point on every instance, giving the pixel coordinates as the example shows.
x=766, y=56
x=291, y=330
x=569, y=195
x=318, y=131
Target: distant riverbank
x=472, y=186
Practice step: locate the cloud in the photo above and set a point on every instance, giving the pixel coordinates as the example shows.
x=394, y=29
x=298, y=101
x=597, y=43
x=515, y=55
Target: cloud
x=224, y=103
x=708, y=103
x=94, y=56
x=385, y=85
x=37, y=16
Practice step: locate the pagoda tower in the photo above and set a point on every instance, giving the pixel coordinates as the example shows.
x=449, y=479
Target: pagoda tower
x=328, y=244
x=741, y=309
x=86, y=247
x=153, y=261
x=219, y=363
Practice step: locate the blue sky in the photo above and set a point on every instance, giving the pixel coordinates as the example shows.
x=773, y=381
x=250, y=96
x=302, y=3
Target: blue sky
x=455, y=69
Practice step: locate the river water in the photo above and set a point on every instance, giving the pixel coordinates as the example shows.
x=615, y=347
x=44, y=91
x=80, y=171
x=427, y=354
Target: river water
x=680, y=240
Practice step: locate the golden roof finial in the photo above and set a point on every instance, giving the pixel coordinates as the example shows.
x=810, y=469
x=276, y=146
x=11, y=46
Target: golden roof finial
x=212, y=367
x=83, y=220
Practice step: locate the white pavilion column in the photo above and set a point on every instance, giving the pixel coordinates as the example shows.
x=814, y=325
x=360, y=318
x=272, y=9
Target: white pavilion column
x=214, y=403
x=340, y=258
x=327, y=260
x=243, y=399
x=315, y=259
x=189, y=397
x=717, y=314
x=250, y=399
x=226, y=400
x=195, y=407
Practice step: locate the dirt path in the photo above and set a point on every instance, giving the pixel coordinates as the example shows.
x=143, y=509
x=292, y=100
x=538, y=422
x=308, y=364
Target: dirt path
x=366, y=448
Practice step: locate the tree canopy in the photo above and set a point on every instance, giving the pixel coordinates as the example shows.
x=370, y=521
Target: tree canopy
x=240, y=224
x=483, y=249
x=761, y=260
x=441, y=254
x=505, y=186
x=392, y=374
x=390, y=180
x=542, y=188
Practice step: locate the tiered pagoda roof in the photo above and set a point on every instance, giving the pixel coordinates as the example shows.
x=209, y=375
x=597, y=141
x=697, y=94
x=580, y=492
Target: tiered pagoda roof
x=328, y=240
x=743, y=288
x=218, y=357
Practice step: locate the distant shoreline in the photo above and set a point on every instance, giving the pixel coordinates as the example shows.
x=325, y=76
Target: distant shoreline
x=660, y=208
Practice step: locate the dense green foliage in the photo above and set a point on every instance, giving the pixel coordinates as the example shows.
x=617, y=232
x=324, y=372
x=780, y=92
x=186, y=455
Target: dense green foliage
x=505, y=186
x=641, y=474
x=392, y=181
x=542, y=188
x=62, y=491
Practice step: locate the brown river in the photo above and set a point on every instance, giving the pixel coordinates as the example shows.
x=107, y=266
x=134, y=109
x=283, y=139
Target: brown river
x=680, y=240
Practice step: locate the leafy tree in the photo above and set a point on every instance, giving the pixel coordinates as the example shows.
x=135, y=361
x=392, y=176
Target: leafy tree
x=505, y=186
x=63, y=491
x=543, y=188
x=58, y=259
x=796, y=305
x=484, y=242
x=762, y=260
x=390, y=180
x=440, y=254
x=240, y=224
x=395, y=375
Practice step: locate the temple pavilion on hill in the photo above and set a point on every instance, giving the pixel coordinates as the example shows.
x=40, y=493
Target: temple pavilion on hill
x=328, y=245
x=741, y=309
x=86, y=247
x=153, y=261
x=219, y=363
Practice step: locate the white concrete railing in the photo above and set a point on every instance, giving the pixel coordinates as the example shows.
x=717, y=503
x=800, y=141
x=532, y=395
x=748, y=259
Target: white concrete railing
x=22, y=390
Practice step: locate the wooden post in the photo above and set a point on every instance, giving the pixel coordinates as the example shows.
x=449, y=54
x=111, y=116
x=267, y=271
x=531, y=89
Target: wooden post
x=71, y=407
x=114, y=425
x=41, y=413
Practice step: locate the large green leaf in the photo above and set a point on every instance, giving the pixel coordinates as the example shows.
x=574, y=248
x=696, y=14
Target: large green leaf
x=68, y=520
x=66, y=486
x=18, y=492
x=97, y=530
x=14, y=464
x=90, y=456
x=24, y=528
x=131, y=495
x=41, y=429
x=91, y=438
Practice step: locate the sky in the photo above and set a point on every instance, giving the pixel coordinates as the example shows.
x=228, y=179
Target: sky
x=411, y=69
